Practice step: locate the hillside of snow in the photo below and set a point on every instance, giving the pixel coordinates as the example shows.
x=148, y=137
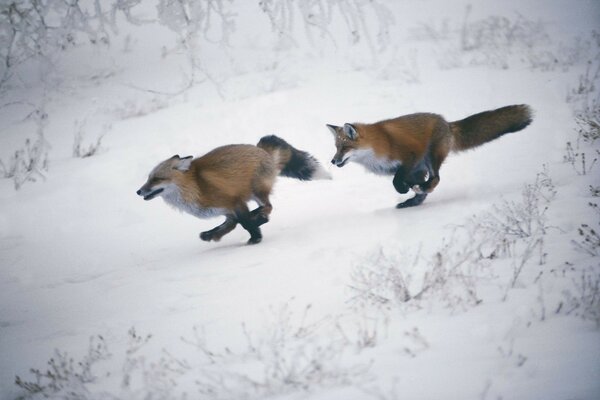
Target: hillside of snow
x=489, y=290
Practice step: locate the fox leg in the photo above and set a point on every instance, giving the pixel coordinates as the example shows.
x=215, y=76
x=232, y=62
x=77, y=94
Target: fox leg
x=437, y=158
x=260, y=215
x=428, y=186
x=421, y=191
x=415, y=178
x=403, y=186
x=399, y=181
x=413, y=201
x=245, y=218
x=217, y=233
x=434, y=178
x=419, y=194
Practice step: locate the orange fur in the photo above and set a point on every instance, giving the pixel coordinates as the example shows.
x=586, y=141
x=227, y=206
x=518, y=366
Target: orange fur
x=224, y=180
x=413, y=147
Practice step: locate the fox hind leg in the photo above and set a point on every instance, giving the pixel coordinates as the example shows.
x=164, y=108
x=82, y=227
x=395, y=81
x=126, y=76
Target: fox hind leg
x=438, y=155
x=260, y=215
x=437, y=158
x=217, y=233
x=249, y=223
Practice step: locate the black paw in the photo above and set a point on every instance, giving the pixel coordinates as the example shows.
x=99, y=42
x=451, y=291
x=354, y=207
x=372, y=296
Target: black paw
x=399, y=180
x=260, y=219
x=401, y=187
x=257, y=217
x=206, y=236
x=255, y=240
x=413, y=201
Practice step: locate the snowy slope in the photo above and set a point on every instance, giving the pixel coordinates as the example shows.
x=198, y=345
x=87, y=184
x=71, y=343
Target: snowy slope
x=81, y=255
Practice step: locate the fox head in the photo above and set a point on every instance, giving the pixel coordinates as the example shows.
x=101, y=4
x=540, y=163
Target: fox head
x=160, y=181
x=347, y=140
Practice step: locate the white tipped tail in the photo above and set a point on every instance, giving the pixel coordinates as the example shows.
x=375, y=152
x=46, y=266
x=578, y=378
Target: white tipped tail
x=319, y=172
x=292, y=162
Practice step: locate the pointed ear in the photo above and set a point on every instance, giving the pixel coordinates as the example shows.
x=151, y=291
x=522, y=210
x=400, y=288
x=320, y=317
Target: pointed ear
x=350, y=131
x=333, y=128
x=183, y=164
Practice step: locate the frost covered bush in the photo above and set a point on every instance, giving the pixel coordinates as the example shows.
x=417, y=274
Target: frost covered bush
x=588, y=121
x=40, y=30
x=197, y=24
x=583, y=298
x=65, y=377
x=585, y=101
x=589, y=239
x=290, y=355
x=359, y=18
x=30, y=162
x=522, y=218
x=495, y=41
x=501, y=42
x=449, y=276
x=512, y=230
x=26, y=164
x=80, y=150
x=101, y=374
x=579, y=160
x=137, y=108
x=516, y=229
x=490, y=41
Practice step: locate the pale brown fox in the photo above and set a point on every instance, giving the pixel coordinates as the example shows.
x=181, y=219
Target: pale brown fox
x=222, y=182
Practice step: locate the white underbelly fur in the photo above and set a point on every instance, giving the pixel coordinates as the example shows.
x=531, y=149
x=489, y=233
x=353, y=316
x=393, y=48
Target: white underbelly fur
x=174, y=199
x=377, y=165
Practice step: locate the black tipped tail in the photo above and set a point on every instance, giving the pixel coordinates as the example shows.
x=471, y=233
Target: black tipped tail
x=292, y=162
x=484, y=127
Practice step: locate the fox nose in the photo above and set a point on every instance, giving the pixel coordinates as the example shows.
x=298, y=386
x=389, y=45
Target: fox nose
x=333, y=161
x=139, y=192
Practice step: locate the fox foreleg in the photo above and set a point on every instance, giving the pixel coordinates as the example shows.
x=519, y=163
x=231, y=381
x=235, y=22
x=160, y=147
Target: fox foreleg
x=405, y=179
x=399, y=181
x=413, y=201
x=418, y=178
x=422, y=184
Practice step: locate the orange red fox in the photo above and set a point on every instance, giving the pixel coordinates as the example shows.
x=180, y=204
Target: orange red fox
x=413, y=147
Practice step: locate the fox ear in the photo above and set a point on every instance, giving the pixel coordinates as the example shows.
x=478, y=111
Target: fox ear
x=350, y=131
x=183, y=164
x=333, y=128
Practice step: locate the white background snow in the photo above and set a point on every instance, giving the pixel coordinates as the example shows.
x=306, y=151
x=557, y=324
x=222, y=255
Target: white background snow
x=123, y=288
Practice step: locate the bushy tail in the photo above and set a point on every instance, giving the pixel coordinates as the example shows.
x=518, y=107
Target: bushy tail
x=484, y=127
x=292, y=162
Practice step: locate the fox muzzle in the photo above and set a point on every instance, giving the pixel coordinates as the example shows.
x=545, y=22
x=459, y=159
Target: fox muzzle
x=149, y=194
x=339, y=161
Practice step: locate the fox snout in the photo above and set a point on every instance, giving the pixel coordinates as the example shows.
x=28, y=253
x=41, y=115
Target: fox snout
x=148, y=193
x=339, y=160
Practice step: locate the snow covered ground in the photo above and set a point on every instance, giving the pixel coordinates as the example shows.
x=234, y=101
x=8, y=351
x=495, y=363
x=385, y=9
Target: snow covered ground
x=107, y=296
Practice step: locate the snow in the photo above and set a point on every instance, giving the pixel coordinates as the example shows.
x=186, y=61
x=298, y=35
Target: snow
x=82, y=255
